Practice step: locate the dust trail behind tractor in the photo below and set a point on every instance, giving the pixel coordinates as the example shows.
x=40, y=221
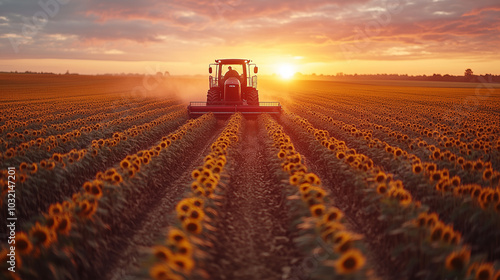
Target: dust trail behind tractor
x=233, y=92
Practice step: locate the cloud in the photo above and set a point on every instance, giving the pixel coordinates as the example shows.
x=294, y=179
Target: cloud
x=318, y=30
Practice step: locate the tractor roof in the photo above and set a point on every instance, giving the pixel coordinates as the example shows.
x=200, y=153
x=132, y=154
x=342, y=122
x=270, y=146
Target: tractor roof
x=232, y=61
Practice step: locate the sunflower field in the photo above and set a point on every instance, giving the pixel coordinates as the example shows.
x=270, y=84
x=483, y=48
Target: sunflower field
x=352, y=181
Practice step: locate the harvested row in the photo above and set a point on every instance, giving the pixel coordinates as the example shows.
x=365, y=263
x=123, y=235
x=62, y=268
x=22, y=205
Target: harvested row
x=58, y=244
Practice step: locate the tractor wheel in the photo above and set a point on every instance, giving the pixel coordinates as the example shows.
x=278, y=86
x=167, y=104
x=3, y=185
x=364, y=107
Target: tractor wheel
x=213, y=97
x=252, y=97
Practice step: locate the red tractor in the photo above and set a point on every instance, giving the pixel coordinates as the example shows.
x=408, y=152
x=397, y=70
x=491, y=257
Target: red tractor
x=233, y=89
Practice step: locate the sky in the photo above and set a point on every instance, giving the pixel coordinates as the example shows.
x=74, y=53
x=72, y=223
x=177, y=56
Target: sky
x=316, y=36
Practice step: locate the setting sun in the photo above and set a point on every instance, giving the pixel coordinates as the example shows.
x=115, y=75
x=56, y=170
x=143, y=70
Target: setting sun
x=286, y=71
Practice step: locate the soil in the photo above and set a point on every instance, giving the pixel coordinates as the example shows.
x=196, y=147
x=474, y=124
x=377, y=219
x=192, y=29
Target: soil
x=253, y=235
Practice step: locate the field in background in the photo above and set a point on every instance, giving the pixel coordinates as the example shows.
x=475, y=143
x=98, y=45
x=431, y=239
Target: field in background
x=368, y=180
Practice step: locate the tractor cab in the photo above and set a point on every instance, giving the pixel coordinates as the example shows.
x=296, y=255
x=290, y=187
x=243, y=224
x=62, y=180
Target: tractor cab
x=231, y=82
x=233, y=88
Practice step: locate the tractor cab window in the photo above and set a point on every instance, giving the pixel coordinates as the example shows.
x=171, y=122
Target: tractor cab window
x=231, y=73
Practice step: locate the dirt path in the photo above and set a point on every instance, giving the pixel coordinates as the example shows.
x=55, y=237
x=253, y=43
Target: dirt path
x=252, y=240
x=154, y=223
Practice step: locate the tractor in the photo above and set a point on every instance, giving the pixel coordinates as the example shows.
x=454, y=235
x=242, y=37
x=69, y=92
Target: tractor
x=233, y=89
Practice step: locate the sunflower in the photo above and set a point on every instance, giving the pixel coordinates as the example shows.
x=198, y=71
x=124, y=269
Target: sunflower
x=350, y=262
x=380, y=177
x=196, y=214
x=431, y=167
x=162, y=253
x=317, y=210
x=183, y=206
x=162, y=272
x=183, y=264
x=421, y=220
x=96, y=189
x=192, y=226
x=484, y=271
x=55, y=209
x=52, y=222
x=447, y=234
x=432, y=219
x=341, y=236
x=344, y=246
x=23, y=243
x=458, y=260
x=117, y=178
x=125, y=164
x=23, y=166
x=455, y=181
x=312, y=179
x=41, y=235
x=176, y=236
x=185, y=248
x=417, y=168
x=497, y=275
x=332, y=214
x=340, y=155
x=435, y=176
x=437, y=232
x=64, y=225
x=487, y=174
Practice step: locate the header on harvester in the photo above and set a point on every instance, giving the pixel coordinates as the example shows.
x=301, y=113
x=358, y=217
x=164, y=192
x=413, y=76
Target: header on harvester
x=233, y=88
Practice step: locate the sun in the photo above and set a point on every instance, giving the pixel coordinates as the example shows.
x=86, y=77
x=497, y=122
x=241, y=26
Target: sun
x=286, y=71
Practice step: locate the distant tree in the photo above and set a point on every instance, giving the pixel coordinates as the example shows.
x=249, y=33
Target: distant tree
x=67, y=72
x=468, y=74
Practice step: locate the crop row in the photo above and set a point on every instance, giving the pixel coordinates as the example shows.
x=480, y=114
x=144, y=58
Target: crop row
x=423, y=249
x=174, y=256
x=57, y=244
x=40, y=148
x=47, y=181
x=55, y=128
x=320, y=227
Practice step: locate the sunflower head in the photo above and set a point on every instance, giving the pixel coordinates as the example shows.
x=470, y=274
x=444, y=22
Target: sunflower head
x=381, y=188
x=332, y=214
x=484, y=271
x=176, y=236
x=23, y=243
x=41, y=235
x=317, y=210
x=380, y=177
x=350, y=262
x=458, y=260
x=193, y=226
x=162, y=253
x=161, y=271
x=64, y=225
x=55, y=209
x=182, y=264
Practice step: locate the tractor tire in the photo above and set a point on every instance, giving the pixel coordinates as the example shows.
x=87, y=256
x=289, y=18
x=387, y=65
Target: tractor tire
x=252, y=97
x=213, y=97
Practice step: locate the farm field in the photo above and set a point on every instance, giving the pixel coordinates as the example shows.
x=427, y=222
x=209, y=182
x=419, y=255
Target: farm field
x=111, y=179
